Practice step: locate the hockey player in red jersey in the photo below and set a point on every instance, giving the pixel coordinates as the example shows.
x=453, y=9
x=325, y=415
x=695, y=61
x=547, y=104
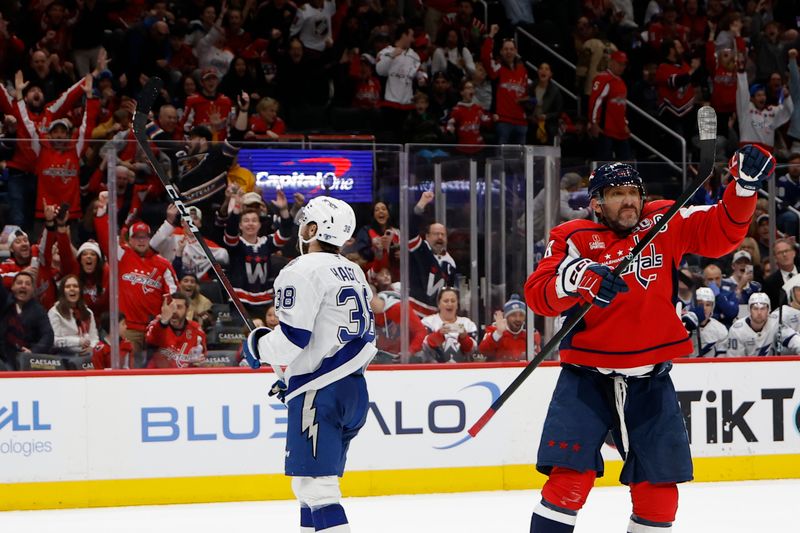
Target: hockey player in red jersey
x=175, y=341
x=616, y=362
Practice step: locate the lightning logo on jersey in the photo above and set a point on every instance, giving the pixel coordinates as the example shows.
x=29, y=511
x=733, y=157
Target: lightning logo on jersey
x=309, y=422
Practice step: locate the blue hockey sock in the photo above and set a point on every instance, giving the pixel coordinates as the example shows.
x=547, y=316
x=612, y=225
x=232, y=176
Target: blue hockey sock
x=640, y=525
x=548, y=518
x=306, y=521
x=330, y=519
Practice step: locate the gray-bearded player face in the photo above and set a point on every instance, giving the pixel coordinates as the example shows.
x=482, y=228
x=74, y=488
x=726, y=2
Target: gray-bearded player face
x=619, y=207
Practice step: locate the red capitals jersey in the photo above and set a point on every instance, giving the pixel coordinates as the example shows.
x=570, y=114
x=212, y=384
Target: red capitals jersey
x=510, y=346
x=9, y=268
x=24, y=158
x=200, y=109
x=723, y=91
x=466, y=121
x=175, y=348
x=101, y=355
x=143, y=280
x=608, y=105
x=57, y=165
x=640, y=327
x=512, y=86
x=675, y=90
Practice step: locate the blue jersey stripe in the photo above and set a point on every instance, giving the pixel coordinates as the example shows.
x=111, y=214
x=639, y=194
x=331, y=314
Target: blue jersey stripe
x=298, y=336
x=345, y=354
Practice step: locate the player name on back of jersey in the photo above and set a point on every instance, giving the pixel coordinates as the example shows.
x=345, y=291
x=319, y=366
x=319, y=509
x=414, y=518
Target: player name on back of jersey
x=344, y=273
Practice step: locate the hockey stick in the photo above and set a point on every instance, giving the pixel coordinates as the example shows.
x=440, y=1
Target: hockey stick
x=143, y=107
x=707, y=125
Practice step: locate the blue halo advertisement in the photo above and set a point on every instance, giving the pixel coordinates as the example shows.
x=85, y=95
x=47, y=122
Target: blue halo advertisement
x=344, y=174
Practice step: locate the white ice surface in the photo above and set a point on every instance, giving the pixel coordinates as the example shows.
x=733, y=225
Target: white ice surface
x=750, y=506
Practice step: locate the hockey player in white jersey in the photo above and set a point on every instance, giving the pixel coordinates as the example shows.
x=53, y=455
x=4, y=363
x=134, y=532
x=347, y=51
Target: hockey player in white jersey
x=789, y=315
x=711, y=333
x=759, y=333
x=325, y=340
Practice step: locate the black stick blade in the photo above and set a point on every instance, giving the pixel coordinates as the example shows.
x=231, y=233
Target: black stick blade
x=147, y=98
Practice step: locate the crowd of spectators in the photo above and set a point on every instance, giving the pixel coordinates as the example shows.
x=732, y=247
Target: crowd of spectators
x=423, y=72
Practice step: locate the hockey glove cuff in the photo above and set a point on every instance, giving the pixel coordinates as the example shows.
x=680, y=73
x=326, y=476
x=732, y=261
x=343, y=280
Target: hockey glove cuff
x=751, y=165
x=592, y=281
x=250, y=348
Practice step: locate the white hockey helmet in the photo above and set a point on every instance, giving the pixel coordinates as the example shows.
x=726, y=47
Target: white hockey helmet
x=704, y=294
x=334, y=218
x=789, y=286
x=759, y=298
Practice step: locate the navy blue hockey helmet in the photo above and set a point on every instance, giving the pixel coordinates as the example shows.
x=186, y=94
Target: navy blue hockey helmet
x=614, y=175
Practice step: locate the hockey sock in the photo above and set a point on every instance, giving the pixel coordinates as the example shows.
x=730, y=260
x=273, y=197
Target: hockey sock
x=640, y=525
x=306, y=521
x=330, y=519
x=547, y=518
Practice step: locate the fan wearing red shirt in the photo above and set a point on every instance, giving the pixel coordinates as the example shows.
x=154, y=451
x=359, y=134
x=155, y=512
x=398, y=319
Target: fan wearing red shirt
x=675, y=90
x=175, y=341
x=512, y=89
x=466, y=119
x=144, y=278
x=506, y=339
x=608, y=105
x=266, y=124
x=59, y=156
x=208, y=108
x=387, y=309
x=101, y=355
x=367, y=94
x=722, y=66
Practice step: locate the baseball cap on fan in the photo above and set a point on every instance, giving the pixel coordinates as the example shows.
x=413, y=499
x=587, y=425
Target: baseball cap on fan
x=139, y=228
x=742, y=255
x=252, y=198
x=619, y=56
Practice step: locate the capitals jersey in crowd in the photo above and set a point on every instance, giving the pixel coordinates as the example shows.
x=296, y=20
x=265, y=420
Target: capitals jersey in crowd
x=608, y=104
x=429, y=274
x=249, y=263
x=675, y=91
x=512, y=86
x=789, y=316
x=613, y=337
x=327, y=330
x=200, y=110
x=175, y=348
x=143, y=280
x=466, y=121
x=400, y=73
x=445, y=344
x=713, y=340
x=742, y=340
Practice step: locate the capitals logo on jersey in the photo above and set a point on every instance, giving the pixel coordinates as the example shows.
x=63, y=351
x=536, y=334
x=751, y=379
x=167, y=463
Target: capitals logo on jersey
x=648, y=260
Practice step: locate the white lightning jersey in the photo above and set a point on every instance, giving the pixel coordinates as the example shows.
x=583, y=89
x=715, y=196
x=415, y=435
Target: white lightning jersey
x=742, y=340
x=713, y=340
x=791, y=317
x=327, y=330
